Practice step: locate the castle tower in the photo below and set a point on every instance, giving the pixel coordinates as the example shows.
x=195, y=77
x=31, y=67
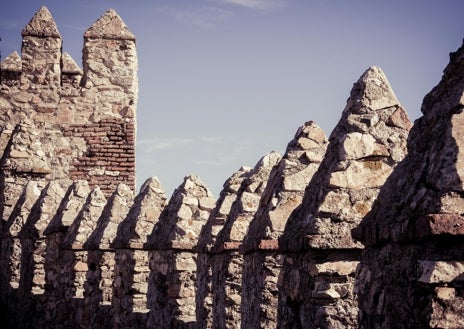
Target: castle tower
x=86, y=116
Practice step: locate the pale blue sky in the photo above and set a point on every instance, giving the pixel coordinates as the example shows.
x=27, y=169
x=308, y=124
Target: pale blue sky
x=222, y=82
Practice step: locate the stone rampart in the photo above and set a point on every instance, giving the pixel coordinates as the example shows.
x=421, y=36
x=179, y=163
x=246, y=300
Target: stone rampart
x=361, y=229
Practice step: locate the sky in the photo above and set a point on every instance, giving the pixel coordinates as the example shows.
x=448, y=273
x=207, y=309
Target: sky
x=223, y=82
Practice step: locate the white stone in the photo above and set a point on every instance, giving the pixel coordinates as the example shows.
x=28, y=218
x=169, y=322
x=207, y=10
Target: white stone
x=279, y=216
x=207, y=203
x=226, y=204
x=330, y=268
x=191, y=201
x=334, y=202
x=357, y=146
x=361, y=174
x=440, y=271
x=299, y=180
x=250, y=201
x=184, y=212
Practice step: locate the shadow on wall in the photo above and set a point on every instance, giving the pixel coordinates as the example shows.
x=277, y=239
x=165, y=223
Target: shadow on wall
x=413, y=234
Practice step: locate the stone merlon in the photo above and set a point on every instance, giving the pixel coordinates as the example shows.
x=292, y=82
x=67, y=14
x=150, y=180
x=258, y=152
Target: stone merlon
x=109, y=26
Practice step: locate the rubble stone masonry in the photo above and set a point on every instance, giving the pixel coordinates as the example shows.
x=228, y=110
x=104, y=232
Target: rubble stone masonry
x=363, y=229
x=83, y=121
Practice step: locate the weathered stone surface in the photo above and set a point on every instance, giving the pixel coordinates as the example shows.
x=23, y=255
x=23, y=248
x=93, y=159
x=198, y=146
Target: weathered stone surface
x=342, y=267
x=436, y=224
x=221, y=210
x=207, y=240
x=362, y=153
x=41, y=25
x=11, y=63
x=69, y=65
x=227, y=268
x=440, y=271
x=12, y=252
x=182, y=220
x=173, y=262
x=32, y=235
x=109, y=26
x=114, y=213
x=416, y=221
x=274, y=251
x=69, y=207
x=143, y=215
x=86, y=222
x=447, y=309
x=25, y=153
x=284, y=192
x=248, y=198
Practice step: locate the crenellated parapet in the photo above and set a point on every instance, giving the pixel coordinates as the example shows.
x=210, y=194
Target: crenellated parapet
x=227, y=261
x=414, y=235
x=283, y=194
x=171, y=286
x=318, y=272
x=206, y=255
x=361, y=229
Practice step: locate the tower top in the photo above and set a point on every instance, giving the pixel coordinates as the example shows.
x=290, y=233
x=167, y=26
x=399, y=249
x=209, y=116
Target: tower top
x=109, y=26
x=41, y=25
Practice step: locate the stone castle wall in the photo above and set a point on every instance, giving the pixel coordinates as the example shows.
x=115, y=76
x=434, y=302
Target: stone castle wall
x=362, y=229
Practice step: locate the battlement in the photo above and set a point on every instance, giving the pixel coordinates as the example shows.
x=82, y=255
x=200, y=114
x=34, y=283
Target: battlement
x=359, y=230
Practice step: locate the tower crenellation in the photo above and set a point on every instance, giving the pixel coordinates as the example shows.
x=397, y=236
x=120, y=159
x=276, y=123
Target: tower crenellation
x=90, y=110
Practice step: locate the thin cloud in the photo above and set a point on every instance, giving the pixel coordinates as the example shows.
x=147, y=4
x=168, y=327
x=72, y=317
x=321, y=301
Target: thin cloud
x=157, y=144
x=75, y=27
x=258, y=4
x=9, y=24
x=203, y=150
x=204, y=17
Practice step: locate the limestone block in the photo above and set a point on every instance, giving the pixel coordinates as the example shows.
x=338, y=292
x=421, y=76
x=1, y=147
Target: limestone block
x=452, y=204
x=335, y=201
x=438, y=224
x=445, y=293
x=306, y=143
x=361, y=174
x=447, y=309
x=279, y=215
x=324, y=289
x=189, y=201
x=299, y=180
x=357, y=146
x=239, y=228
x=440, y=271
x=226, y=204
x=185, y=212
x=250, y=201
x=399, y=119
x=207, y=203
x=331, y=268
